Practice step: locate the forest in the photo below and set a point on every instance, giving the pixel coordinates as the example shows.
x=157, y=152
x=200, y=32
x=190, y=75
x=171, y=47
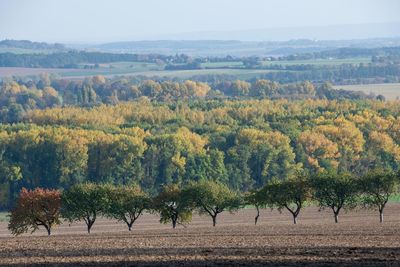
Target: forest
x=240, y=143
x=22, y=95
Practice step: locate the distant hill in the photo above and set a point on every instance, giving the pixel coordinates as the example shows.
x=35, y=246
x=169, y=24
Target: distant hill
x=332, y=32
x=234, y=47
x=26, y=46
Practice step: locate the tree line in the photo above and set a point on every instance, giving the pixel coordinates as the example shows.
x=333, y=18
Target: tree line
x=175, y=204
x=345, y=52
x=18, y=97
x=73, y=58
x=342, y=74
x=26, y=44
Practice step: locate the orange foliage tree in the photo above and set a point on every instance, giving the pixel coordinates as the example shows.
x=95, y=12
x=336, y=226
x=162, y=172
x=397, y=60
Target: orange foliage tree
x=35, y=208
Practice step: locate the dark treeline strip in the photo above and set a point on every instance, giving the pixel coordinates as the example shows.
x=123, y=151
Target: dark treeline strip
x=72, y=59
x=345, y=52
x=345, y=73
x=26, y=44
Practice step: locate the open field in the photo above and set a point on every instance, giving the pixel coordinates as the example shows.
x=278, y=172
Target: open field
x=12, y=71
x=358, y=240
x=184, y=74
x=127, y=68
x=321, y=62
x=152, y=69
x=116, y=68
x=390, y=90
x=222, y=64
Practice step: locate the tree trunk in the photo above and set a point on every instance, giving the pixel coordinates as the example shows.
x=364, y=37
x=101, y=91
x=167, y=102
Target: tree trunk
x=336, y=217
x=89, y=226
x=294, y=219
x=381, y=215
x=214, y=218
x=257, y=216
x=174, y=223
x=130, y=226
x=48, y=230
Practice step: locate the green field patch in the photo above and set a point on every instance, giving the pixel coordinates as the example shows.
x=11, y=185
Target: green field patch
x=4, y=217
x=183, y=74
x=223, y=64
x=321, y=62
x=395, y=198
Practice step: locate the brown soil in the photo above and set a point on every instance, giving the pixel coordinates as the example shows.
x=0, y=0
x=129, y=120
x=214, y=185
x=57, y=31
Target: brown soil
x=358, y=240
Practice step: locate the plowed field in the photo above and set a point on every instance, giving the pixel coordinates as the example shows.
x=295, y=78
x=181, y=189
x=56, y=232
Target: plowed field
x=357, y=240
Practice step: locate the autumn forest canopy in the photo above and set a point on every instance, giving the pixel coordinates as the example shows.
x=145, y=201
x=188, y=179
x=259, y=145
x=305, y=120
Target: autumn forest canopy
x=241, y=143
x=157, y=131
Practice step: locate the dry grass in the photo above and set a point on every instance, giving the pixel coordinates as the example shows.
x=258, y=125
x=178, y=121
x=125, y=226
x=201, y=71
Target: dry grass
x=390, y=90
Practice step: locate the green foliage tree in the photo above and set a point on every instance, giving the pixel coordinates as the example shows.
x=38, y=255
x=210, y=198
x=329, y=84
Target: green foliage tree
x=115, y=158
x=126, y=203
x=173, y=206
x=166, y=159
x=257, y=199
x=207, y=165
x=335, y=191
x=269, y=155
x=377, y=186
x=35, y=208
x=212, y=198
x=290, y=194
x=84, y=202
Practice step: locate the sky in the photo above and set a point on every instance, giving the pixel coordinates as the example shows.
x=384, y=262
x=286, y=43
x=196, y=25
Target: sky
x=80, y=21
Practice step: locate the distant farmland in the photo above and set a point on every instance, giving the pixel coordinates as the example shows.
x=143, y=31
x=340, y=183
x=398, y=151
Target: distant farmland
x=320, y=62
x=390, y=90
x=15, y=71
x=130, y=68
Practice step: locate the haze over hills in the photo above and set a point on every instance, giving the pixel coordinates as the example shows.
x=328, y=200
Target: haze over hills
x=201, y=47
x=268, y=41
x=213, y=47
x=332, y=32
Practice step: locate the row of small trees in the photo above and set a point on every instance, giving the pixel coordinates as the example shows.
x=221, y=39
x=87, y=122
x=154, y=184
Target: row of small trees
x=86, y=202
x=175, y=204
x=328, y=190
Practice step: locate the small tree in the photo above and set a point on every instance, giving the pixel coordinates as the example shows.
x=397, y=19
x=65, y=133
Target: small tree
x=212, y=198
x=290, y=194
x=127, y=203
x=256, y=199
x=377, y=186
x=84, y=202
x=35, y=208
x=172, y=206
x=334, y=191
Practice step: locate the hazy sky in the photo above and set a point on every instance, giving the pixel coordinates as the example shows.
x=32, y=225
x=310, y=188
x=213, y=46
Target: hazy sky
x=101, y=20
